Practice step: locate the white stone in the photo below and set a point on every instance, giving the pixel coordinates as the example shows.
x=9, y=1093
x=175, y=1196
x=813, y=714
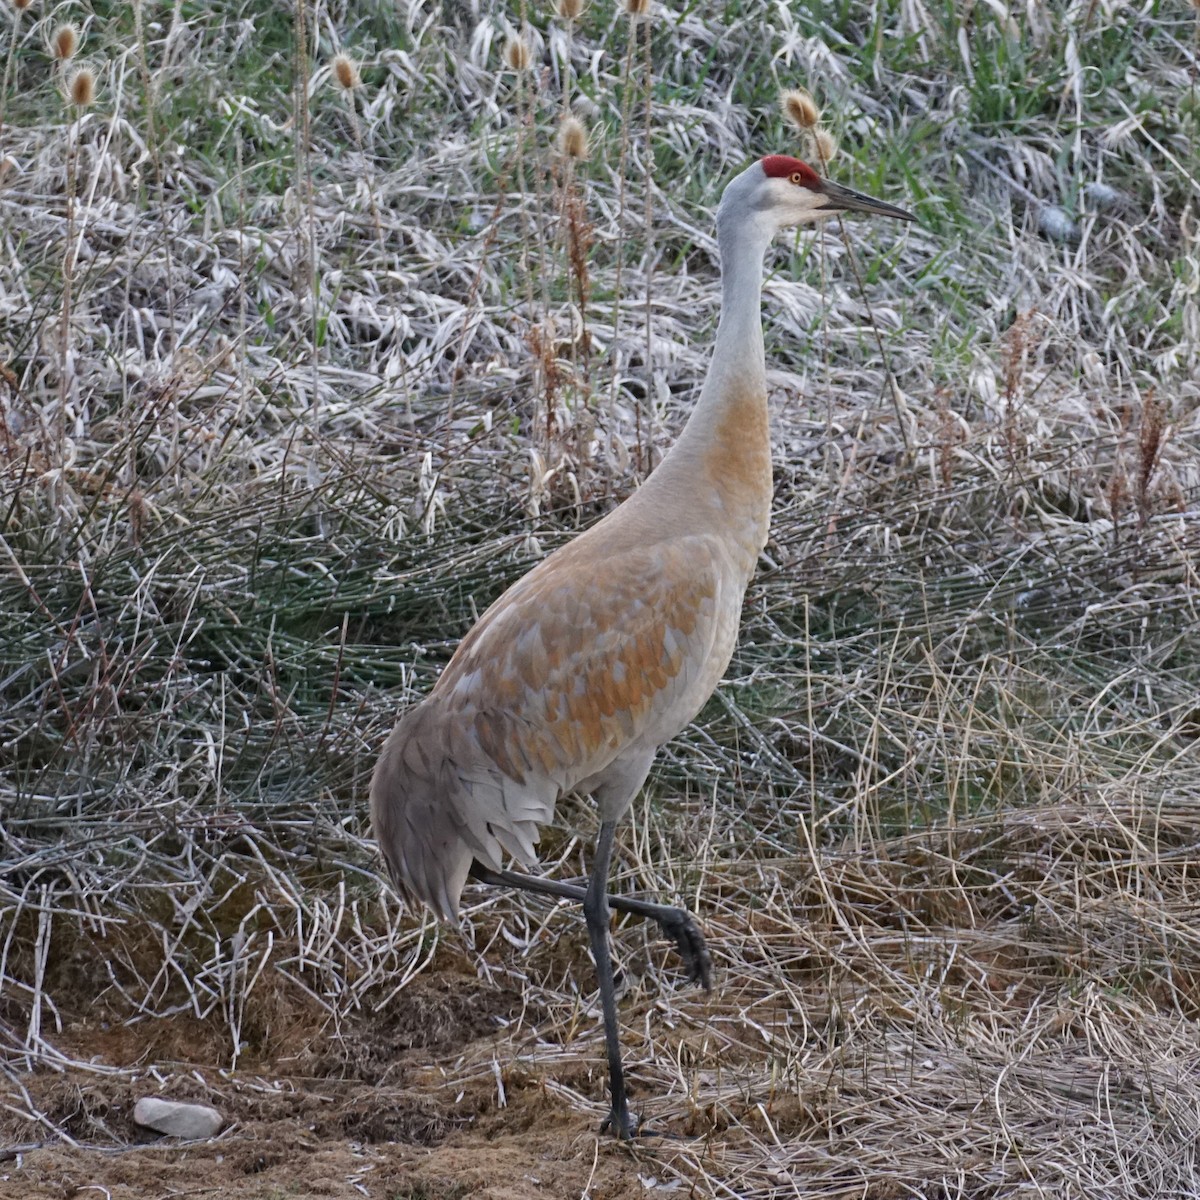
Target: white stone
x=174, y=1117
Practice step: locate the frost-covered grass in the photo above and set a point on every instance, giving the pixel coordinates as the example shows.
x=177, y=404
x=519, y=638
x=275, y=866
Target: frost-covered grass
x=296, y=379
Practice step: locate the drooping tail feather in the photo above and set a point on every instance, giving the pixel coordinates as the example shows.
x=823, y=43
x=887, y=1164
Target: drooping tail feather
x=438, y=803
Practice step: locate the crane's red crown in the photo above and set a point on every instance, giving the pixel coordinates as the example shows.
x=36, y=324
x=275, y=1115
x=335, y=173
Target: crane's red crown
x=783, y=166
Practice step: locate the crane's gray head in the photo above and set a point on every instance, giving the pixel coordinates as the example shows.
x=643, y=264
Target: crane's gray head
x=780, y=192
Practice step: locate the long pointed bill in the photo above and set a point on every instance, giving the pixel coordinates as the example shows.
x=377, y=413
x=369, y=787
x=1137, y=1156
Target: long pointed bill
x=844, y=199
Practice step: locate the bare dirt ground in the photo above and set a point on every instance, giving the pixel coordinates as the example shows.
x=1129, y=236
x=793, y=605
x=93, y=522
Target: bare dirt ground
x=377, y=1111
x=306, y=1138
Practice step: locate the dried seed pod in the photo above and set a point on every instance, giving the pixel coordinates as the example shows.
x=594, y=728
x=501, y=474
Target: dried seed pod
x=21, y=5
x=64, y=42
x=81, y=87
x=637, y=8
x=824, y=146
x=569, y=10
x=516, y=54
x=573, y=138
x=345, y=72
x=800, y=108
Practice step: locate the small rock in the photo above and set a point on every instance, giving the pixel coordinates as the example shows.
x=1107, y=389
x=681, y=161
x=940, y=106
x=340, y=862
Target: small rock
x=174, y=1117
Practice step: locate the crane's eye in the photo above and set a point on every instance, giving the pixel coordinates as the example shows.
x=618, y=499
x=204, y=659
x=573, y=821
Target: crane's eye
x=797, y=178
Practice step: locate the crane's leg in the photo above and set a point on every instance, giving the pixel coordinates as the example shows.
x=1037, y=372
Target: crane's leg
x=595, y=909
x=677, y=923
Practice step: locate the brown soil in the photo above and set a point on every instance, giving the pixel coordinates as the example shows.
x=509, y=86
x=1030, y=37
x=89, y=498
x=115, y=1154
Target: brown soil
x=375, y=1109
x=358, y=1143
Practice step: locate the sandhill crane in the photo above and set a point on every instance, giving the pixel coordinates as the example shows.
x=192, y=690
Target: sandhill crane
x=577, y=674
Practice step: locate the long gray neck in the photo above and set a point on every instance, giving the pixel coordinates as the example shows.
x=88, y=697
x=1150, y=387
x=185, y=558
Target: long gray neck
x=718, y=474
x=739, y=345
x=738, y=368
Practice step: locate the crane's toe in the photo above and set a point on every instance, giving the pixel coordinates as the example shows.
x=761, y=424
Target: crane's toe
x=680, y=926
x=620, y=1123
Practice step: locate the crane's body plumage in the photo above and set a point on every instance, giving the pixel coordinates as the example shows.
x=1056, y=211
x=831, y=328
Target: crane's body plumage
x=577, y=674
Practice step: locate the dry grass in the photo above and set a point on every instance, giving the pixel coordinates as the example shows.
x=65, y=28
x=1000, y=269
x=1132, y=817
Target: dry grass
x=294, y=381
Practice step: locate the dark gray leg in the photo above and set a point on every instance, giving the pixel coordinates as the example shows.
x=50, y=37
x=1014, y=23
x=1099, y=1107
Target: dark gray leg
x=595, y=909
x=677, y=923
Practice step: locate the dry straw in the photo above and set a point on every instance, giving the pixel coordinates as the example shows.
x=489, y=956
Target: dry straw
x=345, y=72
x=19, y=6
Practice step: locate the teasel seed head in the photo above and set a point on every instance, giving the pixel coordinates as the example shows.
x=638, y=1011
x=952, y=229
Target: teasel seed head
x=82, y=88
x=800, y=108
x=516, y=54
x=345, y=72
x=824, y=146
x=573, y=138
x=64, y=41
x=569, y=10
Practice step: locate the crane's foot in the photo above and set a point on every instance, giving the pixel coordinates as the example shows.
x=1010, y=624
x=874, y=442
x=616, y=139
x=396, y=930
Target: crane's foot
x=680, y=926
x=626, y=1129
x=620, y=1123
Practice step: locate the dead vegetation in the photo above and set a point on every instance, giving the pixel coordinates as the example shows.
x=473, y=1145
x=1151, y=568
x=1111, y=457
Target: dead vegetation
x=293, y=383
